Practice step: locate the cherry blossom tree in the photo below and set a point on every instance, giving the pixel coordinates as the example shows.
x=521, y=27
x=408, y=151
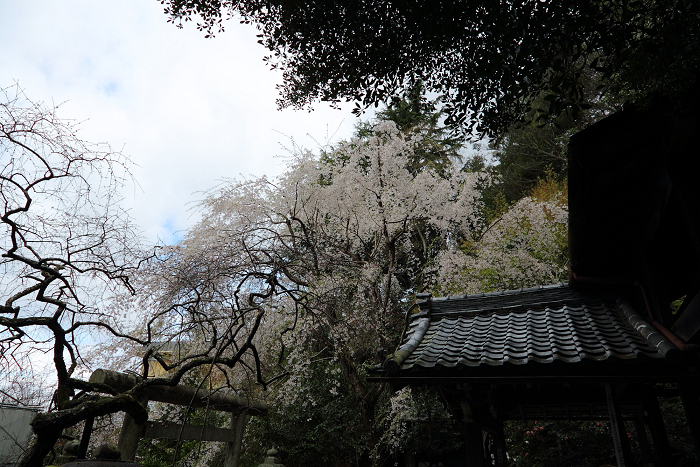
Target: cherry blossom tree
x=327, y=253
x=66, y=246
x=525, y=246
x=327, y=258
x=76, y=278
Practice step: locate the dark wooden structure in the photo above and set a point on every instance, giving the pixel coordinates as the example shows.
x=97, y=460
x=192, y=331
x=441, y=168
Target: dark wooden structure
x=634, y=212
x=595, y=347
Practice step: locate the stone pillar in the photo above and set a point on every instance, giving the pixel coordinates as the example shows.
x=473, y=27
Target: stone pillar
x=130, y=435
x=233, y=448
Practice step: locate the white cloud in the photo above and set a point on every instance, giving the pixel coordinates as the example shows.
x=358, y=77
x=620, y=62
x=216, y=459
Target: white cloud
x=188, y=110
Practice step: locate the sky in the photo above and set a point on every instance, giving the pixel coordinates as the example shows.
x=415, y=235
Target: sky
x=188, y=111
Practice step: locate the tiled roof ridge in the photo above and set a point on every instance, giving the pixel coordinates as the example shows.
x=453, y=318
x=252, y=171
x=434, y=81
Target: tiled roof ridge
x=650, y=333
x=460, y=304
x=392, y=364
x=509, y=309
x=538, y=288
x=498, y=293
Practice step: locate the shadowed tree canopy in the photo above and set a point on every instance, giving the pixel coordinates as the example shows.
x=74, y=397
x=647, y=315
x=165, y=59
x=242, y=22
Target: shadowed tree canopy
x=488, y=59
x=414, y=114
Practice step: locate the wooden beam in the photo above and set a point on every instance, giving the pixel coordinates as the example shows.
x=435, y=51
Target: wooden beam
x=192, y=397
x=474, y=443
x=187, y=396
x=85, y=439
x=644, y=446
x=187, y=432
x=658, y=430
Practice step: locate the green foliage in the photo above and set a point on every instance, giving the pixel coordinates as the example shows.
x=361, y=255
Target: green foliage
x=675, y=305
x=319, y=426
x=161, y=453
x=529, y=154
x=415, y=421
x=332, y=431
x=554, y=444
x=589, y=443
x=167, y=452
x=676, y=425
x=492, y=61
x=522, y=158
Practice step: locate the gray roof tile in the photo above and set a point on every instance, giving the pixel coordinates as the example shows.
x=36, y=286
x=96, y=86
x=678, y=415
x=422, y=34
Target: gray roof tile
x=546, y=324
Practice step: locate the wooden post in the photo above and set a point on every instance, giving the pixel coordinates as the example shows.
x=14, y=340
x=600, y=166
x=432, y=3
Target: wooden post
x=130, y=435
x=623, y=452
x=499, y=446
x=691, y=404
x=657, y=429
x=474, y=441
x=647, y=455
x=233, y=448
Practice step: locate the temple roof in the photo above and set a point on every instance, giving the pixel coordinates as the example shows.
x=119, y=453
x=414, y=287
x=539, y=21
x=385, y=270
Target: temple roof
x=474, y=335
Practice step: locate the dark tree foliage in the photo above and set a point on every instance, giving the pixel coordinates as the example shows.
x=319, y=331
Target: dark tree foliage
x=313, y=435
x=526, y=154
x=529, y=154
x=489, y=59
x=556, y=443
x=414, y=113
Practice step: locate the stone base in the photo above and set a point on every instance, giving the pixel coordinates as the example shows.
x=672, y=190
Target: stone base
x=272, y=460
